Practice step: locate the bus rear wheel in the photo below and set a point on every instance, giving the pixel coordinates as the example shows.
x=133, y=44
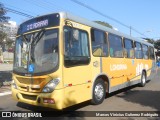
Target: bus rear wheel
x=99, y=92
x=143, y=79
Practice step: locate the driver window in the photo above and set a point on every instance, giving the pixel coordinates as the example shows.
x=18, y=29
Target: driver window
x=76, y=47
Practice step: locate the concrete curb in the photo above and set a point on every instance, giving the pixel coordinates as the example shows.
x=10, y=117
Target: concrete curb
x=5, y=93
x=5, y=90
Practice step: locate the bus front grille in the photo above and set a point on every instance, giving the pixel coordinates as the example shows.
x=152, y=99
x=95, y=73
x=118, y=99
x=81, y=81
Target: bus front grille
x=29, y=97
x=33, y=81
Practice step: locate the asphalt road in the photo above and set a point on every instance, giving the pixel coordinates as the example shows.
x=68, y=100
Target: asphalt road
x=130, y=99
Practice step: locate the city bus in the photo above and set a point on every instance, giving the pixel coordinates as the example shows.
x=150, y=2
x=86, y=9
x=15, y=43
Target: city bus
x=62, y=60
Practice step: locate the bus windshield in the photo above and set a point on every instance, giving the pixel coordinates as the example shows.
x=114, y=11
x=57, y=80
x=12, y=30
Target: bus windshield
x=39, y=49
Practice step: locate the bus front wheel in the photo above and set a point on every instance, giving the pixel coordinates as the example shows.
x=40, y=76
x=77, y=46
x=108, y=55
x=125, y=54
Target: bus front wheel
x=99, y=92
x=143, y=79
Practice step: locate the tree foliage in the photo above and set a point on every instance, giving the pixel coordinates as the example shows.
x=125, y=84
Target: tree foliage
x=3, y=18
x=149, y=40
x=5, y=40
x=155, y=43
x=104, y=24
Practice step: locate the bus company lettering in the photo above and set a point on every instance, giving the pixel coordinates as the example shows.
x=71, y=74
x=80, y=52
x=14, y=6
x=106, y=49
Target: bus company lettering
x=114, y=67
x=140, y=67
x=77, y=25
x=37, y=25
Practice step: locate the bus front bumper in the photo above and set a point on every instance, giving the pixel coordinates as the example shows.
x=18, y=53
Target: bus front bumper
x=51, y=100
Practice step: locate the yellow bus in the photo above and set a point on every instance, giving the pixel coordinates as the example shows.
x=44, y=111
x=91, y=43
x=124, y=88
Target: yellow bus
x=61, y=60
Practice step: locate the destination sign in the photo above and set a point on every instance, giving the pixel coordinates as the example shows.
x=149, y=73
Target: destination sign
x=50, y=20
x=37, y=25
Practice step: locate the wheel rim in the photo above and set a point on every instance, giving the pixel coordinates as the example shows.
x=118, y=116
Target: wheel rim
x=99, y=91
x=143, y=79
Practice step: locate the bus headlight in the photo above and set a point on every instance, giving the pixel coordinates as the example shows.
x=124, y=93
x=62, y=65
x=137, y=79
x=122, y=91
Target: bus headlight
x=51, y=85
x=14, y=85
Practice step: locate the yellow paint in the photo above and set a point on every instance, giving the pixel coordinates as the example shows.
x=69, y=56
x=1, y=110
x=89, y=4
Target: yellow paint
x=118, y=77
x=81, y=89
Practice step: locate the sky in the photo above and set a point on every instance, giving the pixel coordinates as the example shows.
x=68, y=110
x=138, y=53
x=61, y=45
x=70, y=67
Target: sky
x=142, y=15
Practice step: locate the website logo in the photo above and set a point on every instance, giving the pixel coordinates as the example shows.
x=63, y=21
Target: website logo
x=6, y=114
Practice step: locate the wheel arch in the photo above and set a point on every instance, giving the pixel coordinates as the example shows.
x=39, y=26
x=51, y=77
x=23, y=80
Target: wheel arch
x=105, y=78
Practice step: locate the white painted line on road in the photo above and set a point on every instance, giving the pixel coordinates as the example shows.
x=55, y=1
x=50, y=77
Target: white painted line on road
x=5, y=93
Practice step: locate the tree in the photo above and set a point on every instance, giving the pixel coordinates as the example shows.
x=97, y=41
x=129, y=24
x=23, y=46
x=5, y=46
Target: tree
x=3, y=18
x=149, y=40
x=3, y=39
x=104, y=24
x=155, y=43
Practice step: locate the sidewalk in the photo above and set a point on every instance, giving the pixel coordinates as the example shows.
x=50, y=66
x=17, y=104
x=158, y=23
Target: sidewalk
x=5, y=76
x=6, y=67
x=5, y=90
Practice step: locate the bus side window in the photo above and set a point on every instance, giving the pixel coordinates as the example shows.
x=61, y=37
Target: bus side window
x=138, y=50
x=132, y=53
x=145, y=51
x=125, y=53
x=111, y=52
x=99, y=43
x=76, y=47
x=128, y=48
x=115, y=44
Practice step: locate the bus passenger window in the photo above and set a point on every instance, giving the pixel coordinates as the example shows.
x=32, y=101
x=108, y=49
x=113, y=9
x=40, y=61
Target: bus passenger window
x=99, y=43
x=111, y=52
x=115, y=43
x=128, y=48
x=145, y=52
x=138, y=50
x=132, y=53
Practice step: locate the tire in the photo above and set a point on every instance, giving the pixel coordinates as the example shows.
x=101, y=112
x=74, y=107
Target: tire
x=143, y=79
x=99, y=92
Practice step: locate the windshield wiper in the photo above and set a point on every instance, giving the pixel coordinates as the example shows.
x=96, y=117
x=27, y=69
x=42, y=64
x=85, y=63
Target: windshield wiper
x=37, y=38
x=34, y=39
x=32, y=42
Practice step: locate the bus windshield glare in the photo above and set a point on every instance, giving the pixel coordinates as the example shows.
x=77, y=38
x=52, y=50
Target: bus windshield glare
x=39, y=49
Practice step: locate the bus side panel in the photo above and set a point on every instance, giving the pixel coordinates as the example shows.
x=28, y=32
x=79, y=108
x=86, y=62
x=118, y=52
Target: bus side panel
x=125, y=72
x=140, y=65
x=151, y=73
x=114, y=68
x=79, y=79
x=77, y=83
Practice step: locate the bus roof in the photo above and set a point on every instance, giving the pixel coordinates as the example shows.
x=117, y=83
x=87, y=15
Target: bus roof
x=86, y=22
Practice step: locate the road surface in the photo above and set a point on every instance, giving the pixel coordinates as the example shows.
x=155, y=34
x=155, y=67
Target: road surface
x=131, y=99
